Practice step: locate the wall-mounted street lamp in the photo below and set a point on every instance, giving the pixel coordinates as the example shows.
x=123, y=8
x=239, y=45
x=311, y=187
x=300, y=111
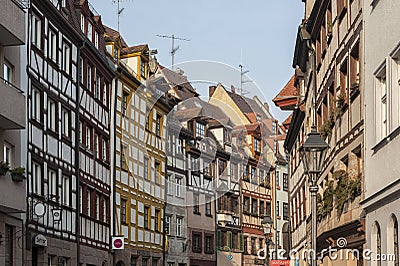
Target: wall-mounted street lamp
x=314, y=149
x=266, y=225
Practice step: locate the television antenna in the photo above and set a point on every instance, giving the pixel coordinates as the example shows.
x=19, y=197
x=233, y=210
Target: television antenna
x=242, y=81
x=119, y=10
x=173, y=49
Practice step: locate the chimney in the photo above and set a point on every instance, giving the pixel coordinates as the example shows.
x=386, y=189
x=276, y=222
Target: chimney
x=233, y=90
x=266, y=106
x=211, y=90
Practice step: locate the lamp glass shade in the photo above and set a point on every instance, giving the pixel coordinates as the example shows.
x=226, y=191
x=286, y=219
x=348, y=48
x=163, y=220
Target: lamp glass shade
x=266, y=224
x=313, y=152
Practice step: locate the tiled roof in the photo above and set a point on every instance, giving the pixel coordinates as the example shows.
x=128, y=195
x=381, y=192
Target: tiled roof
x=134, y=49
x=112, y=35
x=177, y=80
x=287, y=121
x=241, y=102
x=285, y=94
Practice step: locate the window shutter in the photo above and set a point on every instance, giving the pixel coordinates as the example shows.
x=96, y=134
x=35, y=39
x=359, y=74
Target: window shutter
x=218, y=239
x=230, y=240
x=241, y=242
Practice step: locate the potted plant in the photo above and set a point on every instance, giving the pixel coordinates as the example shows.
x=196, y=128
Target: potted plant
x=4, y=168
x=17, y=174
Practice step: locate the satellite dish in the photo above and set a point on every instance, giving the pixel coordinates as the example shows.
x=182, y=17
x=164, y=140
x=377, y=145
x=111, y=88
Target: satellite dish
x=39, y=209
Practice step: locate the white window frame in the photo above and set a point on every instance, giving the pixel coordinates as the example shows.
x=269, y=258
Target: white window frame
x=36, y=186
x=51, y=114
x=83, y=23
x=178, y=186
x=8, y=154
x=179, y=223
x=88, y=201
x=88, y=137
x=65, y=122
x=8, y=72
x=97, y=87
x=66, y=190
x=66, y=57
x=36, y=31
x=97, y=207
x=52, y=184
x=104, y=150
x=168, y=224
x=52, y=45
x=381, y=102
x=36, y=104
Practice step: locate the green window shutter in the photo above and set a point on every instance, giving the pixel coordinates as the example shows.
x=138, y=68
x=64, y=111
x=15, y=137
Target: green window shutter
x=241, y=242
x=230, y=240
x=218, y=239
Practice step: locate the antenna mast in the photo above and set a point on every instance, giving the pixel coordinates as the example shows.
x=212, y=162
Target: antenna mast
x=173, y=48
x=242, y=81
x=119, y=11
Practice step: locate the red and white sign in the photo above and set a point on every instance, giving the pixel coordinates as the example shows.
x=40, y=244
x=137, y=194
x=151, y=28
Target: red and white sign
x=117, y=242
x=280, y=262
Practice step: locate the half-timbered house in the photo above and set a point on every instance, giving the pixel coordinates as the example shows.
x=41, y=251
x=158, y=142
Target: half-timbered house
x=52, y=167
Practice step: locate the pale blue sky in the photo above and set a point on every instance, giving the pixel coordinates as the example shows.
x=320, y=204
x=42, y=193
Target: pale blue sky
x=261, y=32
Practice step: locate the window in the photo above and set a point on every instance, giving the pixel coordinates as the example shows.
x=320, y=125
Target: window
x=36, y=178
x=245, y=249
x=277, y=209
x=124, y=104
x=133, y=261
x=52, y=184
x=142, y=69
x=52, y=45
x=178, y=185
x=104, y=150
x=146, y=168
x=285, y=211
x=157, y=220
x=179, y=221
x=124, y=163
x=168, y=224
x=51, y=115
x=96, y=39
x=168, y=187
x=36, y=31
x=105, y=93
x=8, y=154
x=378, y=244
x=97, y=207
x=209, y=244
x=341, y=7
x=36, y=105
x=66, y=190
x=8, y=72
x=9, y=245
x=90, y=31
x=96, y=145
x=146, y=217
x=268, y=208
x=383, y=106
x=196, y=238
x=123, y=212
x=196, y=206
x=88, y=137
x=145, y=261
x=257, y=145
x=200, y=130
x=149, y=114
x=154, y=262
x=253, y=245
x=89, y=77
x=66, y=57
x=261, y=208
x=158, y=125
x=254, y=207
x=97, y=87
x=285, y=182
x=81, y=69
x=105, y=210
x=116, y=54
x=208, y=206
x=343, y=81
x=246, y=205
x=88, y=201
x=396, y=240
x=277, y=178
x=65, y=122
x=157, y=169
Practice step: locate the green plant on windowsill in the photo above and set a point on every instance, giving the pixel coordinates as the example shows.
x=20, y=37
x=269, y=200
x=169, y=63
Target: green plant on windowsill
x=325, y=204
x=4, y=168
x=340, y=104
x=18, y=174
x=347, y=189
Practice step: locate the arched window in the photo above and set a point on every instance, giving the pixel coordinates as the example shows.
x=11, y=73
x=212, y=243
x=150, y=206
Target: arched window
x=396, y=240
x=378, y=244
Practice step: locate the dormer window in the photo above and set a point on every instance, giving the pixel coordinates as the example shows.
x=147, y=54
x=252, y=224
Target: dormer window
x=258, y=118
x=96, y=40
x=90, y=32
x=142, y=69
x=115, y=53
x=200, y=128
x=83, y=23
x=257, y=145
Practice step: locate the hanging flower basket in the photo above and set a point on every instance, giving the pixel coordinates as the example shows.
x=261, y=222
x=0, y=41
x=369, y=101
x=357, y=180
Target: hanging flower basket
x=4, y=168
x=18, y=174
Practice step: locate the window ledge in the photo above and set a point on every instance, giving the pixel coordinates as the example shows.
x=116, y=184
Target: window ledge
x=386, y=140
